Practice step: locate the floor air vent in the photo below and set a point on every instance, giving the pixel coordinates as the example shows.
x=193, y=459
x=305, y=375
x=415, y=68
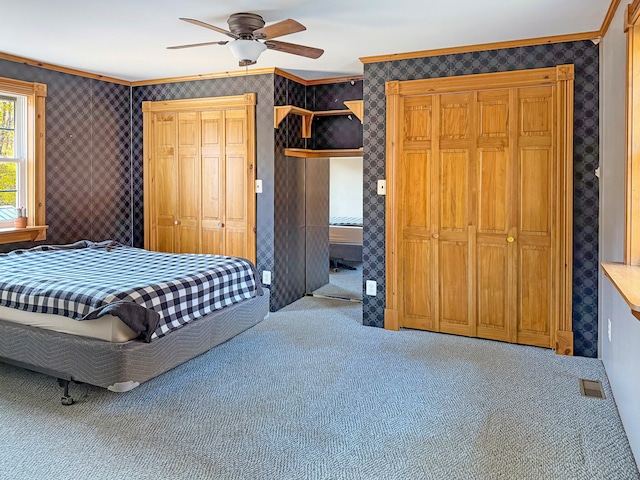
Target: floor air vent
x=591, y=388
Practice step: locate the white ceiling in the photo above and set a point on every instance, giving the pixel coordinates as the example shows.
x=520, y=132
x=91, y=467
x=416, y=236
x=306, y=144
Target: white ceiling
x=127, y=39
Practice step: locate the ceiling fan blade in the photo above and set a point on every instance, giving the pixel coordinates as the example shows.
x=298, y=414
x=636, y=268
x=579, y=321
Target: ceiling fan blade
x=295, y=49
x=210, y=27
x=279, y=29
x=176, y=47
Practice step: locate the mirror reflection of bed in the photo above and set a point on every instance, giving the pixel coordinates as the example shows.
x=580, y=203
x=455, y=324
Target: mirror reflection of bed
x=345, y=229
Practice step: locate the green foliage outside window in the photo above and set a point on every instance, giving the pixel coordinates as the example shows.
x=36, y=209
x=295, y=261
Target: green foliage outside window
x=8, y=172
x=8, y=177
x=7, y=128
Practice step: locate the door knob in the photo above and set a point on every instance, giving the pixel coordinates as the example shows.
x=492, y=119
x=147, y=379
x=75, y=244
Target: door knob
x=176, y=222
x=510, y=239
x=221, y=224
x=435, y=235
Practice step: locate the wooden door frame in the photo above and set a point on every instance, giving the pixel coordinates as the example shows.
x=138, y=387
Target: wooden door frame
x=246, y=101
x=561, y=77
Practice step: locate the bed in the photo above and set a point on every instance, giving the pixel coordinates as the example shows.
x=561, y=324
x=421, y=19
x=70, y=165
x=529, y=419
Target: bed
x=116, y=316
x=345, y=240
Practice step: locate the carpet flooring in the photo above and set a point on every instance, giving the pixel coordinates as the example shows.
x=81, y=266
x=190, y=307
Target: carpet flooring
x=310, y=393
x=343, y=284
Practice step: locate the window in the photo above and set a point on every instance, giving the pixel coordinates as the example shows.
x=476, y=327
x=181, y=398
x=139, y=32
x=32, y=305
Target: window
x=22, y=159
x=13, y=156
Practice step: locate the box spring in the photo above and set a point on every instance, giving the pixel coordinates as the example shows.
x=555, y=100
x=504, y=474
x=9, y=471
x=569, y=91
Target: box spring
x=122, y=366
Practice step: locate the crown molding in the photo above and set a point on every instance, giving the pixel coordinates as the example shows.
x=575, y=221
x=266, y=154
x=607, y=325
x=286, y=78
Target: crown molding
x=613, y=7
x=573, y=37
x=57, y=68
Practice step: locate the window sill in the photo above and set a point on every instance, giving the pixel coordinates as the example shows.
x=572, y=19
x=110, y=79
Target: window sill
x=27, y=234
x=626, y=278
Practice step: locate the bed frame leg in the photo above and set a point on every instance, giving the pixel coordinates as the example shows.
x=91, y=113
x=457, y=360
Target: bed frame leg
x=66, y=398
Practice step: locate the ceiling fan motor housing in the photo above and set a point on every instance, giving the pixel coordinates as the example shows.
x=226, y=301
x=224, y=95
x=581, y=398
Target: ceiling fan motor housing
x=244, y=24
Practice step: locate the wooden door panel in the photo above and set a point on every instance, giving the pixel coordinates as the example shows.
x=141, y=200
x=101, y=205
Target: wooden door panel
x=493, y=115
x=236, y=174
x=417, y=120
x=188, y=238
x=492, y=291
x=212, y=188
x=164, y=182
x=454, y=287
x=454, y=116
x=188, y=186
x=417, y=191
x=494, y=188
x=188, y=197
x=417, y=266
x=536, y=112
x=165, y=241
x=212, y=241
x=235, y=189
x=211, y=129
x=235, y=242
x=415, y=215
x=235, y=128
x=454, y=188
x=188, y=130
x=534, y=295
x=535, y=199
x=212, y=182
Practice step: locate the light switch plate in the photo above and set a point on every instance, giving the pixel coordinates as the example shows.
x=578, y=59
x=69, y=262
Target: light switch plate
x=258, y=186
x=266, y=277
x=382, y=187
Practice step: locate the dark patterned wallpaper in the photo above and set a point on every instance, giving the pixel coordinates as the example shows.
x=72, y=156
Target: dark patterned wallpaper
x=585, y=56
x=335, y=131
x=88, y=163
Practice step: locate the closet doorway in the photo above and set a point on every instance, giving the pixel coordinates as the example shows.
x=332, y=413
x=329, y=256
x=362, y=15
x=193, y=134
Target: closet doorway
x=479, y=209
x=345, y=229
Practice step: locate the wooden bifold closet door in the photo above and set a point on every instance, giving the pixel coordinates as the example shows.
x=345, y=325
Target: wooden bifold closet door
x=198, y=176
x=478, y=209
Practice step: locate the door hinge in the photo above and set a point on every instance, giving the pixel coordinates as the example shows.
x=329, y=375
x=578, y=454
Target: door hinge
x=254, y=229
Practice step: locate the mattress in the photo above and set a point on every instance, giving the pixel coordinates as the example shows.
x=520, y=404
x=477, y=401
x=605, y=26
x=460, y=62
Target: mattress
x=344, y=234
x=108, y=328
x=151, y=292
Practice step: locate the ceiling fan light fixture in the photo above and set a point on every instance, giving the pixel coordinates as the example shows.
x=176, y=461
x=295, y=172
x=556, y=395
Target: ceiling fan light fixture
x=246, y=50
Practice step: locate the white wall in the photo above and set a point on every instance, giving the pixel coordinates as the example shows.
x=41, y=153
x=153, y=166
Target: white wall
x=621, y=355
x=345, y=187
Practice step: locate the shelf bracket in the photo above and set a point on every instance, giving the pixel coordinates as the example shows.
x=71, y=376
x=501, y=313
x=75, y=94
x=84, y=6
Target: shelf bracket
x=280, y=113
x=357, y=107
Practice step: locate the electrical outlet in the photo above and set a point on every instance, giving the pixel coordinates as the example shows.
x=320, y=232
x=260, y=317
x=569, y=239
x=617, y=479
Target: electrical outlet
x=258, y=186
x=371, y=288
x=609, y=328
x=382, y=187
x=266, y=277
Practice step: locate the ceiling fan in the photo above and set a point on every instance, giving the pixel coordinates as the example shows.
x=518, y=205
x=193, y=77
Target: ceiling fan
x=251, y=37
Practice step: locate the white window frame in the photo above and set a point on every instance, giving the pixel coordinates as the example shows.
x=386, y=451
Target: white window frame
x=20, y=151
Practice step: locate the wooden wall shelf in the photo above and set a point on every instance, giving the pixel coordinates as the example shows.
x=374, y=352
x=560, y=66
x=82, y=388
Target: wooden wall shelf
x=308, y=153
x=280, y=113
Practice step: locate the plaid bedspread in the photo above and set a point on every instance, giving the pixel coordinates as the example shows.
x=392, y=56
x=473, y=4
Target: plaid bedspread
x=151, y=292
